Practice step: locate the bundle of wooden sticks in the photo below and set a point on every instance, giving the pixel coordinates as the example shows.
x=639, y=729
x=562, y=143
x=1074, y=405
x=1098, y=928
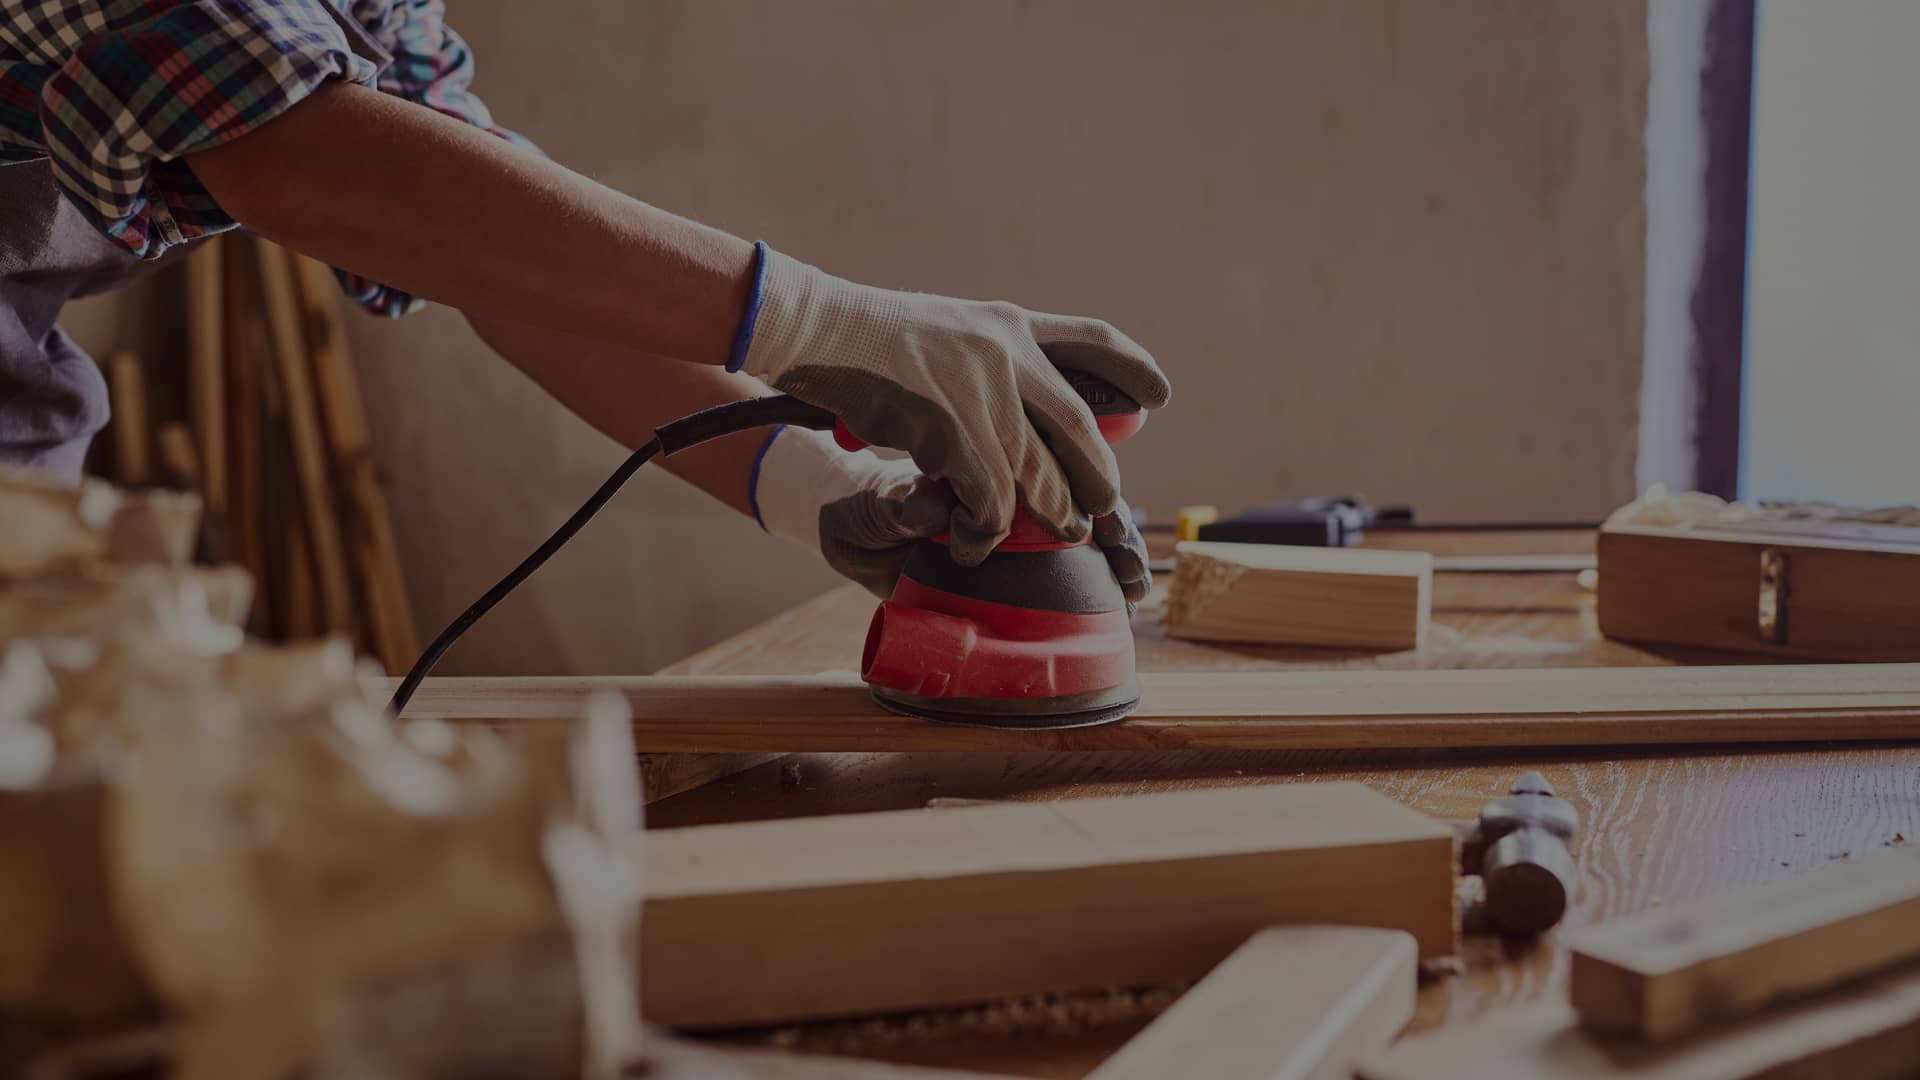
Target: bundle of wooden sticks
x=273, y=437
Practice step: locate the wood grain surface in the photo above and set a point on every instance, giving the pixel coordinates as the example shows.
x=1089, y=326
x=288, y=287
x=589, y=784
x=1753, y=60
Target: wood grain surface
x=1658, y=826
x=1241, y=710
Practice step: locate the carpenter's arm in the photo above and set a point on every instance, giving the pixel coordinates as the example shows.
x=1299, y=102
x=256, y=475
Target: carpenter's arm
x=400, y=194
x=627, y=393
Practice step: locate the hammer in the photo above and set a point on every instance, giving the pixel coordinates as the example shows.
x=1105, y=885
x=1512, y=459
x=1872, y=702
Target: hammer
x=1520, y=849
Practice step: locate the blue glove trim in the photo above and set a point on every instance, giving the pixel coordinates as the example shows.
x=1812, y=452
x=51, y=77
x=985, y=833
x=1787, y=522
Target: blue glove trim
x=743, y=337
x=753, y=478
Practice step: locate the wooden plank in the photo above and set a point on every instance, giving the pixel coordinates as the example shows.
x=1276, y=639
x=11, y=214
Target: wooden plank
x=1842, y=599
x=818, y=917
x=1278, y=595
x=1293, y=1003
x=1251, y=710
x=322, y=525
x=1672, y=971
x=367, y=525
x=132, y=439
x=1869, y=1030
x=206, y=376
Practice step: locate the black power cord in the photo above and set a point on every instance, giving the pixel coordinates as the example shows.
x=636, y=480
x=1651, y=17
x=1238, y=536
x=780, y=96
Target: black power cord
x=668, y=439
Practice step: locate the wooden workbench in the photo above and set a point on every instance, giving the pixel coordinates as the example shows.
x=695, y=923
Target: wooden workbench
x=1657, y=827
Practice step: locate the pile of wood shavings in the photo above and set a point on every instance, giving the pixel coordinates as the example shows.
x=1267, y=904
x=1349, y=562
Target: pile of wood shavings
x=1057, y=1014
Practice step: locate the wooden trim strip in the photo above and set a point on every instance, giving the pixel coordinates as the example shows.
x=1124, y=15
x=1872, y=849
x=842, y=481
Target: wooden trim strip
x=1265, y=710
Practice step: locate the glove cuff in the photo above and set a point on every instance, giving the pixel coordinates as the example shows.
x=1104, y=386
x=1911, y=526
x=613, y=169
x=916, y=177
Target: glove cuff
x=750, y=317
x=800, y=311
x=799, y=471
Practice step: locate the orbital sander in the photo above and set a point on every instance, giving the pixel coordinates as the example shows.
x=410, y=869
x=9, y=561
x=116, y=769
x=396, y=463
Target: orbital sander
x=1037, y=636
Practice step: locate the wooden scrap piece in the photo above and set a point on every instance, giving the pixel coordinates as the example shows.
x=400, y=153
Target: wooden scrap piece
x=1865, y=1031
x=1671, y=971
x=1293, y=1003
x=1251, y=710
x=780, y=920
x=1278, y=595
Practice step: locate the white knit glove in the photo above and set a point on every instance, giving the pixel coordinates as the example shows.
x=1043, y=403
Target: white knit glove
x=968, y=388
x=863, y=514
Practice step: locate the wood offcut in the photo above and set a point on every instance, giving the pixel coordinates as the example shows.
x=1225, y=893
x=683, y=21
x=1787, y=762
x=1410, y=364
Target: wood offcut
x=1293, y=1003
x=1672, y=971
x=1278, y=595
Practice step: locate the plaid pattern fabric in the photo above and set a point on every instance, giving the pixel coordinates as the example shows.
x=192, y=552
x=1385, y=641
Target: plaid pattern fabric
x=114, y=92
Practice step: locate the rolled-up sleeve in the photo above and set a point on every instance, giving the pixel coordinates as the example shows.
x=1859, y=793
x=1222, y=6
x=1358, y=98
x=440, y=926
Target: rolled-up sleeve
x=432, y=66
x=132, y=96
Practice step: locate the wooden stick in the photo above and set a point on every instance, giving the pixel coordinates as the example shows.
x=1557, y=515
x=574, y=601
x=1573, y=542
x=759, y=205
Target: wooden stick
x=1294, y=1002
x=847, y=915
x=206, y=394
x=248, y=502
x=1264, y=710
x=1672, y=971
x=369, y=528
x=127, y=390
x=296, y=607
x=1870, y=1029
x=178, y=458
x=309, y=451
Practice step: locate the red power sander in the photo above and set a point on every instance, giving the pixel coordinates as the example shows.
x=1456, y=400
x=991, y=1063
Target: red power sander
x=1035, y=637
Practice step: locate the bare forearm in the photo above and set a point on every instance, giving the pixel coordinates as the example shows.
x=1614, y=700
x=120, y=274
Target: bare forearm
x=402, y=195
x=626, y=394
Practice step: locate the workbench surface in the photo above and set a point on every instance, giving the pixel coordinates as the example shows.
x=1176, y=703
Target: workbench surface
x=1657, y=826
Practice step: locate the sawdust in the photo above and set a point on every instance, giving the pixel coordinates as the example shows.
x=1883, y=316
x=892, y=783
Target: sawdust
x=1051, y=1015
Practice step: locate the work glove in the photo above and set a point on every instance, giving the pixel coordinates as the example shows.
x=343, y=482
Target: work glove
x=969, y=389
x=863, y=513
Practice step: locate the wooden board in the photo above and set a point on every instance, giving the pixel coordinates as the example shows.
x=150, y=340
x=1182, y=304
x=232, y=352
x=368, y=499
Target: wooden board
x=1863, y=1032
x=1250, y=710
x=771, y=921
x=1279, y=595
x=1672, y=971
x=1839, y=599
x=1293, y=1003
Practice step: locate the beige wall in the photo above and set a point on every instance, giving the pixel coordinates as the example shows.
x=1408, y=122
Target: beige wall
x=1386, y=248
x=1833, y=342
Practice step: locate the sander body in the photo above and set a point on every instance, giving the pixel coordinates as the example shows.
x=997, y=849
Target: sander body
x=1038, y=636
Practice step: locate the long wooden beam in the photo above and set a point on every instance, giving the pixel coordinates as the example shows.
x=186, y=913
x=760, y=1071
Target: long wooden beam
x=1269, y=710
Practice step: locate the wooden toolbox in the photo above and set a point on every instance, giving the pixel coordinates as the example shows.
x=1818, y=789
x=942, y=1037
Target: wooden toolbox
x=1809, y=583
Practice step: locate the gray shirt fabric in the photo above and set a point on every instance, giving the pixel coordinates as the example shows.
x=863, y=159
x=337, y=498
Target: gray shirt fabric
x=52, y=395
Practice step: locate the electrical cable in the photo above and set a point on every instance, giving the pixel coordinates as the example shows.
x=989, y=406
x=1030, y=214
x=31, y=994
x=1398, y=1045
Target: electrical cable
x=669, y=439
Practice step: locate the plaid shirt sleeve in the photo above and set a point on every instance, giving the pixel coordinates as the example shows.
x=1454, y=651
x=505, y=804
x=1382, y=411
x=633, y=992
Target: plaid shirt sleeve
x=115, y=92
x=431, y=66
